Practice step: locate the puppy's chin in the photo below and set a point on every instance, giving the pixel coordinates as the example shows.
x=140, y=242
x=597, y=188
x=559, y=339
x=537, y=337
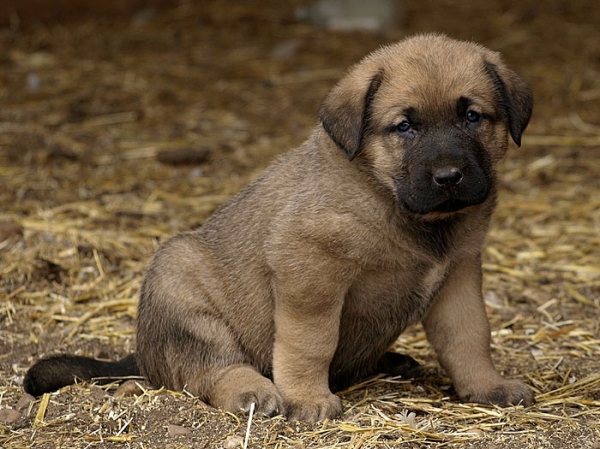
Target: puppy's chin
x=441, y=211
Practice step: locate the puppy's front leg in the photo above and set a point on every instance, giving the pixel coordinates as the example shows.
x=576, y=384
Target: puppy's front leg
x=458, y=329
x=308, y=305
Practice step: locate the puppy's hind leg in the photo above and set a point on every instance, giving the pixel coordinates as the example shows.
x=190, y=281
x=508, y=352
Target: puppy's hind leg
x=189, y=338
x=215, y=368
x=206, y=360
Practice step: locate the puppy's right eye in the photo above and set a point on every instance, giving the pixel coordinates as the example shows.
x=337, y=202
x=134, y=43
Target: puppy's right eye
x=403, y=126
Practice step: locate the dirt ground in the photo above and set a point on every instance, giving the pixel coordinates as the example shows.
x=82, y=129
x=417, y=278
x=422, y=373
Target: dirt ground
x=115, y=134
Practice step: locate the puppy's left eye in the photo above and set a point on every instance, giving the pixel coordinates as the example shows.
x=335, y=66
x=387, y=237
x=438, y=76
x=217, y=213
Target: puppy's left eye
x=473, y=116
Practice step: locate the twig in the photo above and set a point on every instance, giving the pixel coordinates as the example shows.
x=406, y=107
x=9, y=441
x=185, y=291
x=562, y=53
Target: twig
x=247, y=438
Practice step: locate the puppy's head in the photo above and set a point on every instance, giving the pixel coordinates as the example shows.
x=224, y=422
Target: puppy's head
x=429, y=117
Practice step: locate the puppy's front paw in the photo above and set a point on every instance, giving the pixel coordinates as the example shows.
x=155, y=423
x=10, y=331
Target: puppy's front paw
x=314, y=409
x=504, y=394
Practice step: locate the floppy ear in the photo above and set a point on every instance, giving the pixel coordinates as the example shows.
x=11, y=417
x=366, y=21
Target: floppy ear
x=345, y=112
x=514, y=97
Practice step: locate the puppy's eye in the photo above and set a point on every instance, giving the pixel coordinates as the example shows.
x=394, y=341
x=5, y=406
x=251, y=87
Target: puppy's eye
x=403, y=126
x=473, y=116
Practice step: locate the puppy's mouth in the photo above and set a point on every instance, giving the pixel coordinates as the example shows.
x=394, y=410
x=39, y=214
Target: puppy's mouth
x=453, y=205
x=446, y=206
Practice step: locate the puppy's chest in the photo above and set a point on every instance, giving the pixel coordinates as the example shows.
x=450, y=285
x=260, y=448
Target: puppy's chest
x=402, y=292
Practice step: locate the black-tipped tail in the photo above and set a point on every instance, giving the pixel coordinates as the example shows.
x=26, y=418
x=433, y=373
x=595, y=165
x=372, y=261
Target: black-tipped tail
x=57, y=371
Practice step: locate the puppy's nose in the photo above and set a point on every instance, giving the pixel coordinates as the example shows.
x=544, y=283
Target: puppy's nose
x=447, y=176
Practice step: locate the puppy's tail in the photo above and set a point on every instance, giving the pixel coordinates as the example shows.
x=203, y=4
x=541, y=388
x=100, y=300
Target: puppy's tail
x=54, y=372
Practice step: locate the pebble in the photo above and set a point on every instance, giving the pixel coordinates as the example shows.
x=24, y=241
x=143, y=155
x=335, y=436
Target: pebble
x=175, y=430
x=97, y=392
x=233, y=441
x=24, y=402
x=9, y=228
x=286, y=49
x=129, y=388
x=348, y=15
x=183, y=156
x=9, y=415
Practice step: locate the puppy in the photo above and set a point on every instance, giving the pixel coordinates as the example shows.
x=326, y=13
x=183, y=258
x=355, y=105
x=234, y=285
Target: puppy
x=299, y=284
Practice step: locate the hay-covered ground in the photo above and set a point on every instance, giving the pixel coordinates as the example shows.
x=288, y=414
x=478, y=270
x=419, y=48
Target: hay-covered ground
x=117, y=134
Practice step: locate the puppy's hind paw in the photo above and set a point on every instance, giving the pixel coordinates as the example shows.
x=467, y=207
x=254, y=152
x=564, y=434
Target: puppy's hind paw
x=243, y=386
x=267, y=402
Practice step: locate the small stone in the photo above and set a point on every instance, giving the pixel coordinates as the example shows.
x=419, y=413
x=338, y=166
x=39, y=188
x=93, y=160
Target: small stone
x=537, y=353
x=129, y=388
x=183, y=156
x=175, y=430
x=33, y=82
x=97, y=392
x=9, y=228
x=348, y=15
x=24, y=402
x=419, y=389
x=196, y=173
x=494, y=301
x=286, y=49
x=9, y=415
x=233, y=441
